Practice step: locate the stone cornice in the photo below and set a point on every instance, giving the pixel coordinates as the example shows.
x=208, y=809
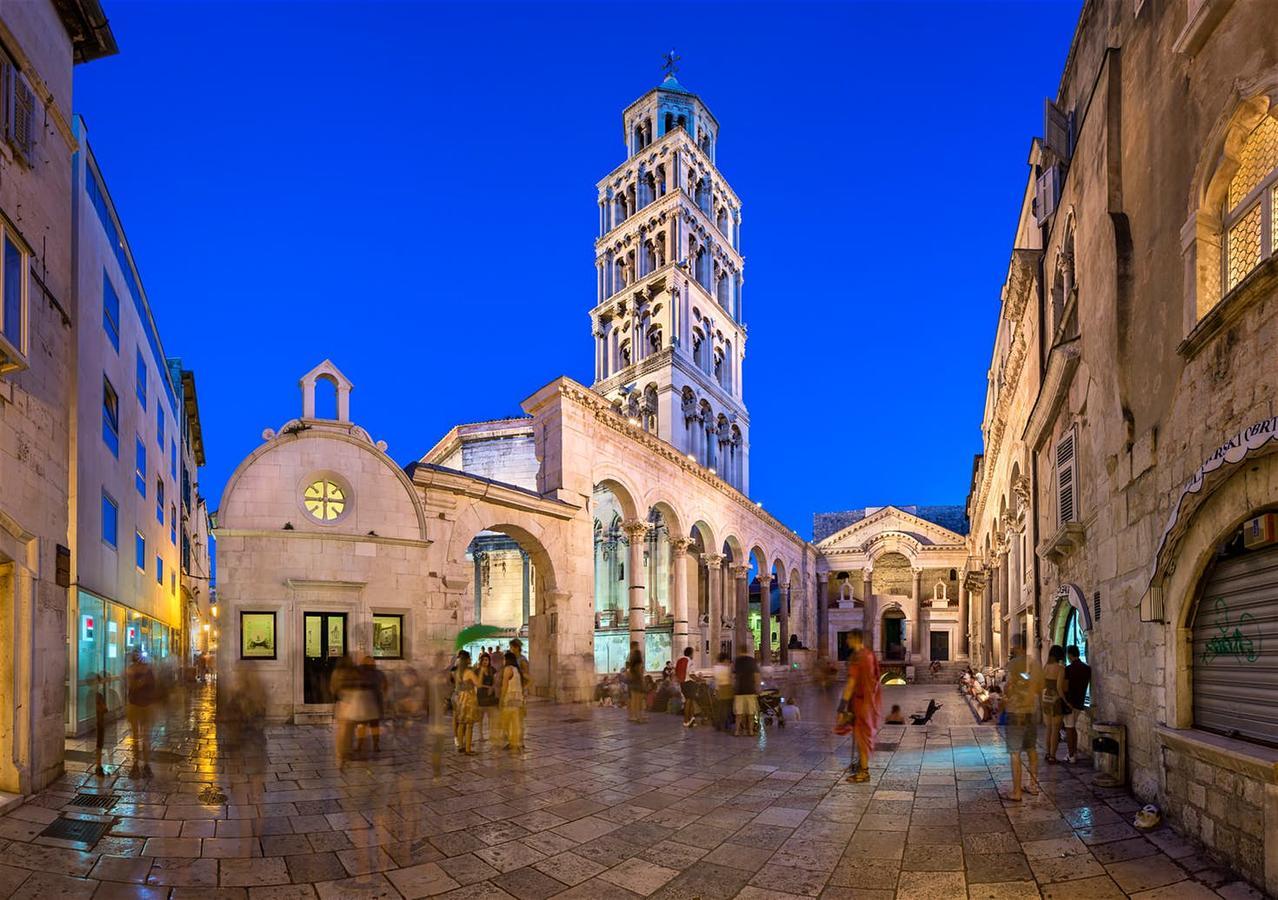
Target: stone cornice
x=575, y=392
x=658, y=152
x=509, y=496
x=1022, y=273
x=221, y=533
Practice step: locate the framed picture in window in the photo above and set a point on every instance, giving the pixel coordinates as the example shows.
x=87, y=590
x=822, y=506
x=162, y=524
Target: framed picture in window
x=388, y=637
x=257, y=635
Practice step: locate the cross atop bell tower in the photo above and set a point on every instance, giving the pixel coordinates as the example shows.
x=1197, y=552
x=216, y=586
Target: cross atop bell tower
x=667, y=322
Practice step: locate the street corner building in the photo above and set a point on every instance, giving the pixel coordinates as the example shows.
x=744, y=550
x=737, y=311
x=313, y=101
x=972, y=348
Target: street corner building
x=604, y=515
x=1126, y=500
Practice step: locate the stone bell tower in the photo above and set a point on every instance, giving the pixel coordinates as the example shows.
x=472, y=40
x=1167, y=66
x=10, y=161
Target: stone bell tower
x=668, y=327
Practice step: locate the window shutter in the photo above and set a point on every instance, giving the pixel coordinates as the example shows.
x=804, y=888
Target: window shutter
x=1066, y=472
x=24, y=127
x=1058, y=128
x=1047, y=193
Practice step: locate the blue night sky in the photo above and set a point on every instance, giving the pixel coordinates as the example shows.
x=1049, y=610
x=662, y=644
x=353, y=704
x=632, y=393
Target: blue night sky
x=408, y=189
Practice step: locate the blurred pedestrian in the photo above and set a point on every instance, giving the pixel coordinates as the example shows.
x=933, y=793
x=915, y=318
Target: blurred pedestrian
x=723, y=692
x=1024, y=687
x=102, y=717
x=1078, y=680
x=745, y=689
x=373, y=708
x=862, y=700
x=634, y=673
x=1053, y=701
x=512, y=702
x=435, y=704
x=345, y=689
x=465, y=704
x=140, y=694
x=486, y=694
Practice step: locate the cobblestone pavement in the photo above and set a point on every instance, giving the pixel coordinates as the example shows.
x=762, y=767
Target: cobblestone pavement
x=597, y=808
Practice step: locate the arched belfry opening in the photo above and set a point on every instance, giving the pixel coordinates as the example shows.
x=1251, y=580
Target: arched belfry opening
x=340, y=384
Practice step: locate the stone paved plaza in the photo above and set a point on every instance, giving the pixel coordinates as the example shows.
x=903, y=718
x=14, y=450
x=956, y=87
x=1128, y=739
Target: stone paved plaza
x=597, y=808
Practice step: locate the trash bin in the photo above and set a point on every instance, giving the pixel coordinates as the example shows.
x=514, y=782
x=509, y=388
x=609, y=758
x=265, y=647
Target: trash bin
x=1109, y=753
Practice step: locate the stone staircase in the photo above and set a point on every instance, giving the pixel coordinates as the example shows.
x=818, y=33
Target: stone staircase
x=949, y=673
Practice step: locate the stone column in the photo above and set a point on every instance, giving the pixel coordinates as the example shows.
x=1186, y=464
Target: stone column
x=714, y=563
x=679, y=589
x=987, y=619
x=870, y=614
x=784, y=624
x=964, y=625
x=741, y=619
x=765, y=620
x=916, y=639
x=821, y=600
x=636, y=532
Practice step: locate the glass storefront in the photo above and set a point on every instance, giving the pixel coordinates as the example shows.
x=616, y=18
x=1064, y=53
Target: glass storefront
x=105, y=633
x=612, y=648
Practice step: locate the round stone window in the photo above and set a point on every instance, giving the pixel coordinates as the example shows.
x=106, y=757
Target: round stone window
x=325, y=500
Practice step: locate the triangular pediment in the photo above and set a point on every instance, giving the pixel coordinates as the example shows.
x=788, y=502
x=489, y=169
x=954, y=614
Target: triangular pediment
x=890, y=519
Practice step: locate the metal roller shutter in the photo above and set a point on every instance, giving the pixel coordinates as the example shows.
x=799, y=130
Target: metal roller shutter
x=1235, y=659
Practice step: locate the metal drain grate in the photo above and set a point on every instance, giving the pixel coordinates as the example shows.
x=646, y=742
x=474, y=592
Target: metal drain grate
x=95, y=801
x=82, y=831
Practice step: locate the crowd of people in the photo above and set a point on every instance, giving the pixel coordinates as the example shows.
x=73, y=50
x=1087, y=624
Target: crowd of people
x=731, y=696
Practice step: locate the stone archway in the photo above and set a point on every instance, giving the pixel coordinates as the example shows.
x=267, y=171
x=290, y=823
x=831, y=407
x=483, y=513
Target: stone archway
x=894, y=629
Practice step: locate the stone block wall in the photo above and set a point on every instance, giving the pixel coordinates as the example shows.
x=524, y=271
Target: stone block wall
x=508, y=459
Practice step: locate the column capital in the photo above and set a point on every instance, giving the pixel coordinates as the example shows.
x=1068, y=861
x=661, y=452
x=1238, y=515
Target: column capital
x=765, y=579
x=713, y=560
x=740, y=571
x=679, y=546
x=634, y=529
x=783, y=586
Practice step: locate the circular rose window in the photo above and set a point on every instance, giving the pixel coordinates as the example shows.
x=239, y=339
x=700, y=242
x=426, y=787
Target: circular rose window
x=324, y=500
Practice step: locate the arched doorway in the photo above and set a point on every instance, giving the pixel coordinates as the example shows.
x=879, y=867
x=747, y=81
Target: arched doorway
x=504, y=589
x=893, y=625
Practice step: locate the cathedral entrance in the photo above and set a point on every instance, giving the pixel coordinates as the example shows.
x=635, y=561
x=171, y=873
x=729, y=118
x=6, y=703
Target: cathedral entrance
x=894, y=635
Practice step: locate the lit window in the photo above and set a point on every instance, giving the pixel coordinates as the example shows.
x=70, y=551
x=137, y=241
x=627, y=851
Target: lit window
x=324, y=500
x=110, y=312
x=110, y=519
x=13, y=277
x=110, y=417
x=139, y=472
x=141, y=380
x=139, y=551
x=1250, y=228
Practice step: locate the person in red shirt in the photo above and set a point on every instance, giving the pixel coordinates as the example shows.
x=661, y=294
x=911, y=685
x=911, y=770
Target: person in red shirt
x=685, y=686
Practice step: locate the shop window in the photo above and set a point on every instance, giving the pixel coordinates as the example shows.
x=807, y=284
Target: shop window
x=1233, y=650
x=388, y=636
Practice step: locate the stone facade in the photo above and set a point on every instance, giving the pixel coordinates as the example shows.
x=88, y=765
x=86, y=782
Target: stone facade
x=1134, y=346
x=39, y=43
x=896, y=576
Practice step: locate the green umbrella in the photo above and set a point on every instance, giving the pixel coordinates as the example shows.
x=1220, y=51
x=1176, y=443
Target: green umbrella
x=477, y=633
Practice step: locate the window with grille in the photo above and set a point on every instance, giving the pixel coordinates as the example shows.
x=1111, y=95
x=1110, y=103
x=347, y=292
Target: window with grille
x=1249, y=226
x=1066, y=479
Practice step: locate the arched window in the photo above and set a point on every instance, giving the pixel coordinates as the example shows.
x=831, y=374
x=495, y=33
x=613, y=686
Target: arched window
x=625, y=354
x=654, y=339
x=1248, y=219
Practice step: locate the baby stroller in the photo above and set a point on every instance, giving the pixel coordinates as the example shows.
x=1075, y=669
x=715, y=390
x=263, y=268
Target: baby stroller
x=701, y=693
x=770, y=708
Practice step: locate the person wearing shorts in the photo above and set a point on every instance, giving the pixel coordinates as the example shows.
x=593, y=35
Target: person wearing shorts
x=745, y=701
x=1078, y=678
x=1024, y=686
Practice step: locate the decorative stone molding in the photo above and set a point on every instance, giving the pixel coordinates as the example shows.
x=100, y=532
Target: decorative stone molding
x=712, y=560
x=635, y=529
x=679, y=546
x=1065, y=541
x=739, y=571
